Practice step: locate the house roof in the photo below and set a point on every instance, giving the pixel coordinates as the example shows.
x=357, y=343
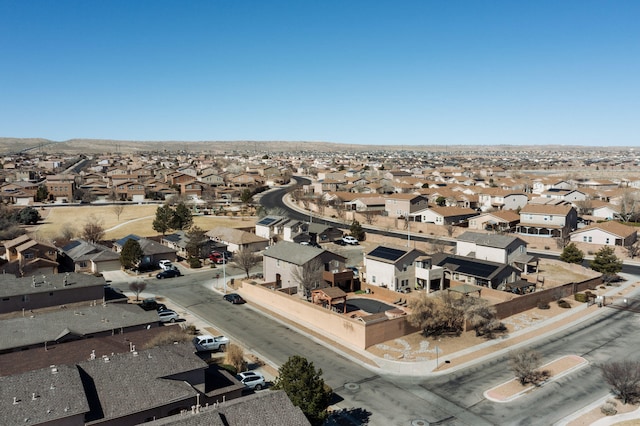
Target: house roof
x=10, y=285
x=138, y=381
x=40, y=327
x=469, y=266
x=562, y=209
x=391, y=253
x=81, y=250
x=234, y=236
x=51, y=394
x=489, y=240
x=611, y=227
x=453, y=211
x=296, y=254
x=259, y=409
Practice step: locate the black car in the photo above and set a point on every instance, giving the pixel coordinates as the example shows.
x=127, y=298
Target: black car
x=169, y=273
x=151, y=304
x=234, y=298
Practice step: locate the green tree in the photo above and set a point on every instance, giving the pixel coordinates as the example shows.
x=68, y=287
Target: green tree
x=28, y=216
x=42, y=193
x=441, y=201
x=357, y=231
x=163, y=219
x=572, y=254
x=131, y=254
x=304, y=387
x=196, y=241
x=606, y=262
x=246, y=195
x=182, y=218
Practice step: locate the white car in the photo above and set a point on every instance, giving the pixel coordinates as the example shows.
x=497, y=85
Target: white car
x=165, y=265
x=252, y=380
x=168, y=316
x=207, y=342
x=350, y=240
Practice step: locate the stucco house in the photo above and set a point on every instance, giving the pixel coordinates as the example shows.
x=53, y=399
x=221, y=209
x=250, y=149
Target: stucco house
x=392, y=267
x=606, y=233
x=498, y=248
x=554, y=219
x=237, y=239
x=283, y=262
x=503, y=220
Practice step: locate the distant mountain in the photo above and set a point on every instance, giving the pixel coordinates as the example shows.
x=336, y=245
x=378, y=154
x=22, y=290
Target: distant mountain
x=74, y=146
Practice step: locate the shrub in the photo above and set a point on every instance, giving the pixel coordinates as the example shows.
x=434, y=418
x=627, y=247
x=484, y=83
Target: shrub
x=580, y=297
x=230, y=368
x=543, y=305
x=194, y=262
x=602, y=287
x=609, y=408
x=564, y=304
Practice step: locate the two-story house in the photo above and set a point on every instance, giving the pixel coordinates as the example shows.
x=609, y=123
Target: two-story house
x=500, y=199
x=397, y=205
x=553, y=219
x=505, y=249
x=284, y=261
x=392, y=267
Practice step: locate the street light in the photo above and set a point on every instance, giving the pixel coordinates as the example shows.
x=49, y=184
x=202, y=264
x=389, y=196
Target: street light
x=408, y=230
x=224, y=271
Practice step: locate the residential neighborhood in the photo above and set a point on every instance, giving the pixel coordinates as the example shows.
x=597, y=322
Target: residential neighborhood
x=357, y=242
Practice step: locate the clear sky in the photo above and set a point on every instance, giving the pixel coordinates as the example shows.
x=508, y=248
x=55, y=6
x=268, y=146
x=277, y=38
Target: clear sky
x=399, y=72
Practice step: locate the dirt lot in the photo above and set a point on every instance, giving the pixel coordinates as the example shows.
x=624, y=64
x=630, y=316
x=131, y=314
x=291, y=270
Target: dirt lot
x=135, y=219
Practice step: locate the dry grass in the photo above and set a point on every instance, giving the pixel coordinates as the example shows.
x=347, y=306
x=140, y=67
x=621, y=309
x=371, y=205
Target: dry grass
x=135, y=219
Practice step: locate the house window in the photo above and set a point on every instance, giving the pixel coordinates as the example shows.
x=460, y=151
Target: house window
x=278, y=262
x=28, y=255
x=50, y=293
x=25, y=297
x=584, y=238
x=373, y=279
x=590, y=239
x=607, y=241
x=82, y=264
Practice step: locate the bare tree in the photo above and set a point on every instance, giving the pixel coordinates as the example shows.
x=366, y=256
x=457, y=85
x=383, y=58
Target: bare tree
x=438, y=246
x=235, y=357
x=370, y=217
x=624, y=379
x=117, y=210
x=341, y=210
x=450, y=228
x=525, y=364
x=93, y=231
x=633, y=249
x=308, y=276
x=628, y=206
x=584, y=206
x=245, y=260
x=137, y=287
x=321, y=203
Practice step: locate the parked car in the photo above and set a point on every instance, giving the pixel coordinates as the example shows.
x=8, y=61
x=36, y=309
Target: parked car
x=165, y=264
x=151, y=304
x=340, y=242
x=217, y=257
x=252, y=380
x=207, y=342
x=234, y=298
x=168, y=315
x=350, y=240
x=168, y=273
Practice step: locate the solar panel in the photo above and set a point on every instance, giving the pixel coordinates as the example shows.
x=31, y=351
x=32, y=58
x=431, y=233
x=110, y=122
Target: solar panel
x=387, y=253
x=469, y=267
x=266, y=221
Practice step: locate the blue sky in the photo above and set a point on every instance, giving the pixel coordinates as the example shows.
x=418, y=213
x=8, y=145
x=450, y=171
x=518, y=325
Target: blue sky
x=408, y=72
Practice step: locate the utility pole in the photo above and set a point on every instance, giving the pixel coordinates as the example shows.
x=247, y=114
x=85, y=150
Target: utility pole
x=224, y=271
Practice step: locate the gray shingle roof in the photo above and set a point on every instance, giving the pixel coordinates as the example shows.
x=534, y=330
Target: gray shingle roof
x=296, y=254
x=10, y=285
x=129, y=383
x=47, y=327
x=489, y=240
x=42, y=396
x=260, y=409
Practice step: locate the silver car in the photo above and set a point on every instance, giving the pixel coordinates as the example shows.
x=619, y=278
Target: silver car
x=168, y=316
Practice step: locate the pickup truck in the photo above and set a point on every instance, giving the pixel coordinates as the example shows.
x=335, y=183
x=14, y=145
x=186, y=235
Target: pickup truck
x=210, y=343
